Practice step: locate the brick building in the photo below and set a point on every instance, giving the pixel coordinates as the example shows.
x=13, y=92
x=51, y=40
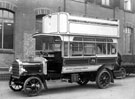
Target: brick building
x=19, y=19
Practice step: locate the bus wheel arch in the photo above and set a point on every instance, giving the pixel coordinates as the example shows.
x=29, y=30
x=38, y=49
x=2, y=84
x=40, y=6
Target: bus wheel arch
x=109, y=68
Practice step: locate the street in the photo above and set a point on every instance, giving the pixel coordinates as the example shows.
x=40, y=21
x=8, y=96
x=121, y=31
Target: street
x=121, y=89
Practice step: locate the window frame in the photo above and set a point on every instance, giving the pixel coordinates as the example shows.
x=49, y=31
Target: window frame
x=128, y=33
x=76, y=50
x=92, y=48
x=105, y=2
x=128, y=5
x=7, y=20
x=39, y=21
x=96, y=40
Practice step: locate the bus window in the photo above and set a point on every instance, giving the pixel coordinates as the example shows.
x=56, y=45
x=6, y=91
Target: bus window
x=101, y=48
x=89, y=49
x=57, y=47
x=76, y=49
x=47, y=46
x=111, y=47
x=65, y=48
x=77, y=38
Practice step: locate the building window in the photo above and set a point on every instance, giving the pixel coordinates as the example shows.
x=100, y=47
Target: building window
x=127, y=5
x=40, y=13
x=128, y=36
x=39, y=23
x=106, y=2
x=6, y=29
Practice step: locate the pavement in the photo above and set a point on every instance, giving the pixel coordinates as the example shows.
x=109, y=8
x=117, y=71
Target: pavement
x=121, y=89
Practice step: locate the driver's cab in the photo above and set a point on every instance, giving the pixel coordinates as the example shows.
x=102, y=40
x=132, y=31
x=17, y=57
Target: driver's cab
x=50, y=47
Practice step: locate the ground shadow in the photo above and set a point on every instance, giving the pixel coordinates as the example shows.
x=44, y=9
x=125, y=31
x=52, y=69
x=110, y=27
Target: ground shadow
x=127, y=77
x=67, y=89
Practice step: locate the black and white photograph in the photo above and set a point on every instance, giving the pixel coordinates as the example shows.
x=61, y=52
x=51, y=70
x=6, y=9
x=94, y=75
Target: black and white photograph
x=67, y=49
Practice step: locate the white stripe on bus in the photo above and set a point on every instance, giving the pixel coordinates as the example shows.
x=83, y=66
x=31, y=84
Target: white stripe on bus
x=72, y=69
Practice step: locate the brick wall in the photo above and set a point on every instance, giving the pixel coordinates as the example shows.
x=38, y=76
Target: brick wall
x=6, y=59
x=29, y=46
x=128, y=58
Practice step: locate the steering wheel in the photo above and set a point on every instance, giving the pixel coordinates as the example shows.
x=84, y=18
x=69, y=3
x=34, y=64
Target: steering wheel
x=44, y=54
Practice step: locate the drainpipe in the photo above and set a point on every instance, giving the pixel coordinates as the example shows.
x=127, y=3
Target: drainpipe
x=64, y=9
x=85, y=8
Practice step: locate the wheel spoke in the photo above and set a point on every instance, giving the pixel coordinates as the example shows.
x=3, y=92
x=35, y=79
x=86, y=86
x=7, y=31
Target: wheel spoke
x=104, y=79
x=15, y=85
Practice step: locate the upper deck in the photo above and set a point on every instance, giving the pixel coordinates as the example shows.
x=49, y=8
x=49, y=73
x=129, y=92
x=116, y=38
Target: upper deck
x=64, y=23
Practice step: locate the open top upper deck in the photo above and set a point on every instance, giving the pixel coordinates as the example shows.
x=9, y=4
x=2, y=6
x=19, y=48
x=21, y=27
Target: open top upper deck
x=64, y=23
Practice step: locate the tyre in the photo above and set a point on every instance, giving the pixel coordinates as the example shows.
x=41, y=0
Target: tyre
x=15, y=84
x=103, y=79
x=32, y=86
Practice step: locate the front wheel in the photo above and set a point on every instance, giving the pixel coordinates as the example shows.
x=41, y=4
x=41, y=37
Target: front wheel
x=15, y=84
x=103, y=79
x=32, y=86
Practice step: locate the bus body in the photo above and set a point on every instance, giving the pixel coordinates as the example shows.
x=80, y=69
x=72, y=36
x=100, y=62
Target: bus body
x=75, y=49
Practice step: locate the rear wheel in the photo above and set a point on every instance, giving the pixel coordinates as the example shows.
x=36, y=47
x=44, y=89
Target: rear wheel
x=32, y=86
x=15, y=84
x=103, y=79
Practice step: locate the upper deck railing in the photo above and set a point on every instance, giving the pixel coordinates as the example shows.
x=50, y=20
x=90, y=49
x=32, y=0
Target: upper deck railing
x=64, y=23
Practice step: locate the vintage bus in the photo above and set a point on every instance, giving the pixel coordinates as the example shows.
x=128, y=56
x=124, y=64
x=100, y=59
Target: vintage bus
x=71, y=48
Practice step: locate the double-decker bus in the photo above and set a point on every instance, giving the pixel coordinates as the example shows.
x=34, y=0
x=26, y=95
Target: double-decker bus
x=73, y=48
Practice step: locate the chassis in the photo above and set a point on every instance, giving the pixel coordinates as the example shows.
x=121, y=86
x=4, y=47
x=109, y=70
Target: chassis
x=33, y=83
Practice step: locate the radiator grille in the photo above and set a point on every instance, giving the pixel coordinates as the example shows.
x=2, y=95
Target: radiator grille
x=15, y=69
